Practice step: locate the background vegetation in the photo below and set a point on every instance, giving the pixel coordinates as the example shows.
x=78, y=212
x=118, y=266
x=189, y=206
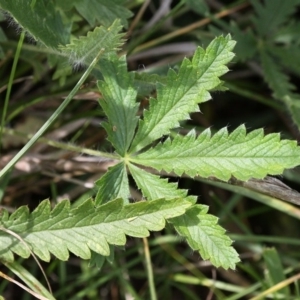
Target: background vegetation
x=262, y=93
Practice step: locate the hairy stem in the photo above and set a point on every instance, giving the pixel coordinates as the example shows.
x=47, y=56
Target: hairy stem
x=153, y=295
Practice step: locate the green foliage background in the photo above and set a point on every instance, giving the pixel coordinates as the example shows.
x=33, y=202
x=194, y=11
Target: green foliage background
x=173, y=137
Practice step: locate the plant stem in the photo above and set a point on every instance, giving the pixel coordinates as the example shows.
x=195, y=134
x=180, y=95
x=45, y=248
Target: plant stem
x=59, y=110
x=10, y=82
x=234, y=88
x=153, y=295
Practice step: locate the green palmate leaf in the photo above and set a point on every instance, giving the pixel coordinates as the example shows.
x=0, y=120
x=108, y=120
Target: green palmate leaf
x=103, y=11
x=66, y=4
x=293, y=106
x=272, y=14
x=98, y=260
x=114, y=184
x=282, y=89
x=41, y=21
x=183, y=91
x=62, y=68
x=119, y=103
x=289, y=33
x=275, y=272
x=198, y=6
x=277, y=80
x=154, y=187
x=146, y=83
x=239, y=154
x=84, y=228
x=200, y=230
x=205, y=235
x=83, y=50
x=287, y=56
x=246, y=46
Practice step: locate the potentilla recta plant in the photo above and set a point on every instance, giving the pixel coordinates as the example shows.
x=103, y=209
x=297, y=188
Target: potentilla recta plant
x=144, y=148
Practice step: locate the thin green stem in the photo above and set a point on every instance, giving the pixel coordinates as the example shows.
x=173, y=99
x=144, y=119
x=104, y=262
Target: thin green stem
x=10, y=82
x=234, y=88
x=54, y=116
x=153, y=295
